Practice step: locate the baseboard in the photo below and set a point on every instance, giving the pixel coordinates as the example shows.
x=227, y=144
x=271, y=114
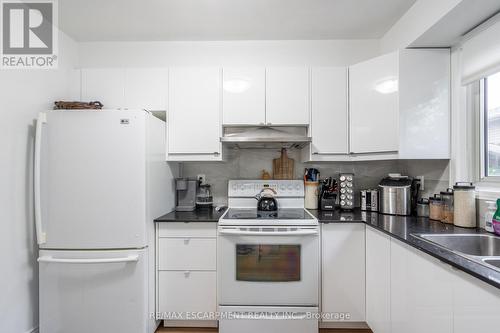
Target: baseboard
x=190, y=323
x=343, y=324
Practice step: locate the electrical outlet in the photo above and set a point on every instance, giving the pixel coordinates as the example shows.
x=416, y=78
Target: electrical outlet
x=421, y=178
x=201, y=178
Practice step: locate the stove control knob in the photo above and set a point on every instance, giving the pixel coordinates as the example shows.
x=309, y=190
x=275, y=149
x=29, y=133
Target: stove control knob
x=342, y=203
x=290, y=187
x=342, y=196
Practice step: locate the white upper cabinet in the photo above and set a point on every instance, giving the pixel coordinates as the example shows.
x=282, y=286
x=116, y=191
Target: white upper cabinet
x=343, y=271
x=329, y=113
x=194, y=114
x=244, y=96
x=287, y=96
x=106, y=85
x=373, y=92
x=424, y=104
x=146, y=88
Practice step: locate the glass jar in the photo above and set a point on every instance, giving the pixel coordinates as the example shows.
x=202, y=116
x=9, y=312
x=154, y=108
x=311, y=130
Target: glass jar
x=435, y=208
x=465, y=205
x=448, y=210
x=423, y=208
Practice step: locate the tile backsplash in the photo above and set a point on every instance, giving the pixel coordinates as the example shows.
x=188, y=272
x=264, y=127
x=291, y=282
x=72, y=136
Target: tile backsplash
x=249, y=163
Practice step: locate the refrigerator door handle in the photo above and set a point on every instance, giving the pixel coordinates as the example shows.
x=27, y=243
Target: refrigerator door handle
x=49, y=259
x=40, y=235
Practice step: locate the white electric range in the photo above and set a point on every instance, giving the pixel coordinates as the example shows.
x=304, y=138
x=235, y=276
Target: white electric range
x=268, y=261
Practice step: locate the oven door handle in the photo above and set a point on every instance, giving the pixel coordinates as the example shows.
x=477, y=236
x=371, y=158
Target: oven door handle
x=235, y=232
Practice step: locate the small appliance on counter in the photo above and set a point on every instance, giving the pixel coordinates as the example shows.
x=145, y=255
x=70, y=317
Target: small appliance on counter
x=398, y=195
x=204, y=198
x=369, y=200
x=328, y=194
x=346, y=191
x=186, y=194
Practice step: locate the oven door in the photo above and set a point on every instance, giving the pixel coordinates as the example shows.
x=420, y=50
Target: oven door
x=268, y=265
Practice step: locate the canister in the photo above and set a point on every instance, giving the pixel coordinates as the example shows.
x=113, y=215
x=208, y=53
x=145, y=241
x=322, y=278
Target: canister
x=448, y=209
x=465, y=205
x=435, y=208
x=423, y=208
x=311, y=194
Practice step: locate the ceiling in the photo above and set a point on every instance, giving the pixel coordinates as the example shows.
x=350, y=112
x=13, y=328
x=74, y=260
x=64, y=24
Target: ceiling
x=153, y=20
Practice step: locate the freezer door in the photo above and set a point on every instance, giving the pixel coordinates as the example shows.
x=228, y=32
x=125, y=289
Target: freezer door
x=92, y=180
x=93, y=291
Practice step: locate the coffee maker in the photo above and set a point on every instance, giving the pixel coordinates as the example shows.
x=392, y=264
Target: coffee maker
x=186, y=194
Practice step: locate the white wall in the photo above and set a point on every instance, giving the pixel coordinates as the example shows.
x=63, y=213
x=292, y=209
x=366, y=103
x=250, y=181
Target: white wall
x=227, y=53
x=23, y=93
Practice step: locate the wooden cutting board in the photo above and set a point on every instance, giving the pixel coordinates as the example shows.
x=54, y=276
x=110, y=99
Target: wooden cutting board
x=283, y=166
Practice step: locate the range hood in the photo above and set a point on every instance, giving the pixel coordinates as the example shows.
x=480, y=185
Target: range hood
x=266, y=137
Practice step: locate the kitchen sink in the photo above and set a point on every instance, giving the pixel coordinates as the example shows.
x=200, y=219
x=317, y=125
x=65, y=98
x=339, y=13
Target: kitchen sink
x=493, y=262
x=478, y=245
x=481, y=248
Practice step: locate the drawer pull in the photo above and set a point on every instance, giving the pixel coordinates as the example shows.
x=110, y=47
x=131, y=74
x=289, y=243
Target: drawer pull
x=186, y=241
x=186, y=274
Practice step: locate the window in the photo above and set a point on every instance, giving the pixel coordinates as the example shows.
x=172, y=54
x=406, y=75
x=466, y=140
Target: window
x=491, y=108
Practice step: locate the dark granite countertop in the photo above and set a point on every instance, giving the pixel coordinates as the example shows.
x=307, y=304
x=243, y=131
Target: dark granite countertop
x=402, y=228
x=199, y=215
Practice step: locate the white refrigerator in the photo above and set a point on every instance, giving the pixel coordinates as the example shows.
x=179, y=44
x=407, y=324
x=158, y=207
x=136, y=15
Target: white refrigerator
x=100, y=180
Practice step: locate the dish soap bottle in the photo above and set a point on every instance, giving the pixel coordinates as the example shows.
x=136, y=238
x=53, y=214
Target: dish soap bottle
x=488, y=216
x=496, y=219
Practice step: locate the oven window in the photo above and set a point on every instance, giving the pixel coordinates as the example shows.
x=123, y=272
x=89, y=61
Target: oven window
x=267, y=263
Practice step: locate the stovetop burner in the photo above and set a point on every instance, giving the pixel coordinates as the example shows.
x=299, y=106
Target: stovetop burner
x=254, y=214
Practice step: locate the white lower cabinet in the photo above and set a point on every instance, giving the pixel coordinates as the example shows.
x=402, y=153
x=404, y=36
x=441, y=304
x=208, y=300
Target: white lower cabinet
x=187, y=291
x=476, y=304
x=378, y=281
x=343, y=272
x=186, y=272
x=409, y=291
x=421, y=292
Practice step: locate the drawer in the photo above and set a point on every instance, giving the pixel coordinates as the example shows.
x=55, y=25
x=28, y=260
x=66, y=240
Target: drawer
x=187, y=254
x=192, y=229
x=187, y=291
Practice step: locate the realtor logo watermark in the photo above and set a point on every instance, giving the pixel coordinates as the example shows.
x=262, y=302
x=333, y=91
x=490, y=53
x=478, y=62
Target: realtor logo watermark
x=28, y=34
